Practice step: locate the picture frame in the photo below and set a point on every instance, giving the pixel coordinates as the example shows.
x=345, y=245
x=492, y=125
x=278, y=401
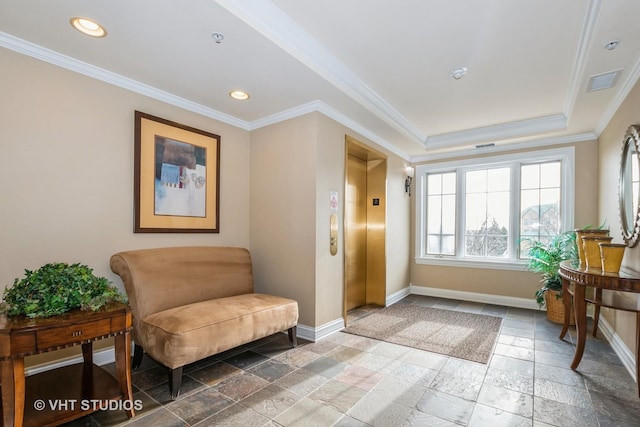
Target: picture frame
x=176, y=177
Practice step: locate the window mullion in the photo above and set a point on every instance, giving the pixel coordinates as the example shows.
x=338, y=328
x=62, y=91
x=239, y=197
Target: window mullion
x=421, y=214
x=515, y=215
x=461, y=212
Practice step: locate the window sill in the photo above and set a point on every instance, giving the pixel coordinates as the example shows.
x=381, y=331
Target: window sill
x=466, y=263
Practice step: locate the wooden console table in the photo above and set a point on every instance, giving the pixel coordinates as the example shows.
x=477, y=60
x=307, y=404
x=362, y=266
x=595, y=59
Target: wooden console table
x=583, y=277
x=64, y=394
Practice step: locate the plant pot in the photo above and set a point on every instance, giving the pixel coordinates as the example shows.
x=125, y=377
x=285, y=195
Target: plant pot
x=590, y=245
x=583, y=232
x=555, y=308
x=611, y=255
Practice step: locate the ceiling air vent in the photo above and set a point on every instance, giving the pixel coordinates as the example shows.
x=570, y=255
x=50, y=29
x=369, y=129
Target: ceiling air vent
x=488, y=144
x=603, y=81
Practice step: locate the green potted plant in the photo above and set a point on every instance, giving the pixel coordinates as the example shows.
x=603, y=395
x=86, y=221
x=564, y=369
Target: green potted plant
x=56, y=288
x=544, y=257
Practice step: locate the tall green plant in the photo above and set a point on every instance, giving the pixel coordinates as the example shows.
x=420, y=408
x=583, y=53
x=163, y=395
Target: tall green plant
x=545, y=258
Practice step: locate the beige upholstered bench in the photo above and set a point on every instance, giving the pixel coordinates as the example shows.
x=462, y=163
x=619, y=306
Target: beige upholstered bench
x=189, y=303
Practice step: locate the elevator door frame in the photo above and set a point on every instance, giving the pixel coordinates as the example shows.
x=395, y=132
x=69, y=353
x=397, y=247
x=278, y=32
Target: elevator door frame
x=355, y=236
x=376, y=222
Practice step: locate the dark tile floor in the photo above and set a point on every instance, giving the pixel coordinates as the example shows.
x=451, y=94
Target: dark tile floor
x=346, y=380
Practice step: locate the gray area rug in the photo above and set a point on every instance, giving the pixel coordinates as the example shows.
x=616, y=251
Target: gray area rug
x=458, y=334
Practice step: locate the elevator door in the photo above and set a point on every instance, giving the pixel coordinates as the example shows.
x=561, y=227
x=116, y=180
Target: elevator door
x=356, y=233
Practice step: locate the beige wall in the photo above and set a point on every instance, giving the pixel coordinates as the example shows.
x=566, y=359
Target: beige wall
x=67, y=192
x=283, y=214
x=294, y=167
x=331, y=157
x=399, y=231
x=330, y=177
x=66, y=170
x=67, y=195
x=517, y=284
x=610, y=150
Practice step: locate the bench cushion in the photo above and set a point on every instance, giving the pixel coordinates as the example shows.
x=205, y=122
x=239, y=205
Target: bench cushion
x=185, y=334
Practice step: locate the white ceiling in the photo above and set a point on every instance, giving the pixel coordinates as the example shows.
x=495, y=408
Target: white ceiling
x=381, y=67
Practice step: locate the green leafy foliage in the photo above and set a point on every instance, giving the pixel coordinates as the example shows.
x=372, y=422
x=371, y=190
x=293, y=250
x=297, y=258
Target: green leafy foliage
x=56, y=288
x=545, y=258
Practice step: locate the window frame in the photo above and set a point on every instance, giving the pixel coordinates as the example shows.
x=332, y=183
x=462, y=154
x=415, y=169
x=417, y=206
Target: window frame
x=566, y=155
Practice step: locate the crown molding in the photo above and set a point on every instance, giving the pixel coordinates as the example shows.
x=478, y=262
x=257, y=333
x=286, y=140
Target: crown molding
x=507, y=130
x=532, y=144
x=281, y=116
x=591, y=16
x=625, y=88
x=58, y=59
x=38, y=52
x=332, y=113
x=275, y=25
x=498, y=132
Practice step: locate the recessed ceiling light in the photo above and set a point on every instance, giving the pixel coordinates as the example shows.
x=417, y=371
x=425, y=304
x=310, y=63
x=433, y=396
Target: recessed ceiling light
x=239, y=94
x=459, y=72
x=88, y=27
x=218, y=37
x=612, y=44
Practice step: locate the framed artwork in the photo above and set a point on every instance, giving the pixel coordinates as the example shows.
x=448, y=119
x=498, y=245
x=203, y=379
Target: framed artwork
x=176, y=177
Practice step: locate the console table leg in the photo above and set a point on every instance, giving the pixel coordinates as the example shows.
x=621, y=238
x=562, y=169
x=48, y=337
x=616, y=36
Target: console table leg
x=13, y=388
x=580, y=308
x=638, y=350
x=87, y=354
x=596, y=311
x=122, y=347
x=566, y=300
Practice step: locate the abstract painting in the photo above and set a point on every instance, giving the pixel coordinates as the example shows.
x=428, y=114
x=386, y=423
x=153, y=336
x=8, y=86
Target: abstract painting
x=176, y=185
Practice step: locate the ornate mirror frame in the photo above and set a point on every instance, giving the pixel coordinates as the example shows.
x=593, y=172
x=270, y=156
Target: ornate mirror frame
x=629, y=187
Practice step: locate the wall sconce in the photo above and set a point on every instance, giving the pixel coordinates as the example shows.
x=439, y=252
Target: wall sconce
x=408, y=171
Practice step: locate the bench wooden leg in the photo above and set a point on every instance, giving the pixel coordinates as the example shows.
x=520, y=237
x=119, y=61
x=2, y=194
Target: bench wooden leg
x=138, y=352
x=293, y=337
x=175, y=379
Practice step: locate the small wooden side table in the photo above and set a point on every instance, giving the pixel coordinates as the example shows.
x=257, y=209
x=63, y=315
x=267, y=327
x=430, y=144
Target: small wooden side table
x=583, y=277
x=64, y=394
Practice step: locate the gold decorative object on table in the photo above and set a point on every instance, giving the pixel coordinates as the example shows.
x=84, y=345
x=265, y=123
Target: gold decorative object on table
x=590, y=245
x=611, y=256
x=582, y=232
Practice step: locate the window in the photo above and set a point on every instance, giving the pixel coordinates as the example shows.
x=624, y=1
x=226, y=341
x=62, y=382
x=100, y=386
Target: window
x=441, y=213
x=487, y=203
x=540, y=200
x=482, y=212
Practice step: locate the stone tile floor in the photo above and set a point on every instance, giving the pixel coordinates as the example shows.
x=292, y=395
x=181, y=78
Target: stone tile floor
x=346, y=380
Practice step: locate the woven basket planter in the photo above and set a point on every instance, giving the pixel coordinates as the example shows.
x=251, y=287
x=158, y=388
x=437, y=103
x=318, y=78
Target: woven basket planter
x=555, y=308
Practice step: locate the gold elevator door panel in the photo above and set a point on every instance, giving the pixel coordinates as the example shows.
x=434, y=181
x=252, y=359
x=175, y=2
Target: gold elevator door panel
x=356, y=232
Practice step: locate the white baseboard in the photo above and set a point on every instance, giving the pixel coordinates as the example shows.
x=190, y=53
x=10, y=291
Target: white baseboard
x=315, y=334
x=619, y=347
x=100, y=357
x=397, y=296
x=107, y=355
x=475, y=297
